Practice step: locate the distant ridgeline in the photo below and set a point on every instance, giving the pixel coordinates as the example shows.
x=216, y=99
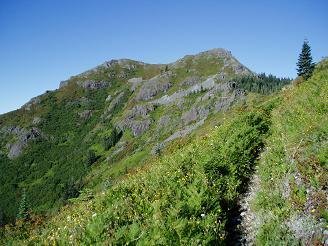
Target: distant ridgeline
x=103, y=123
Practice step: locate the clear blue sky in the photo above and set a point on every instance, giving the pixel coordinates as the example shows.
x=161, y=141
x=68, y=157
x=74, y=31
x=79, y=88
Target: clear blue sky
x=45, y=41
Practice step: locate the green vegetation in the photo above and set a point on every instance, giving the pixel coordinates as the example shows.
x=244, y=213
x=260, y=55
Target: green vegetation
x=183, y=197
x=92, y=158
x=84, y=181
x=23, y=210
x=261, y=83
x=293, y=169
x=305, y=66
x=112, y=139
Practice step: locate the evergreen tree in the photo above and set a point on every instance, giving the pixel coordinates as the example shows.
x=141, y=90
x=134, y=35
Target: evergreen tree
x=91, y=157
x=23, y=210
x=114, y=137
x=305, y=66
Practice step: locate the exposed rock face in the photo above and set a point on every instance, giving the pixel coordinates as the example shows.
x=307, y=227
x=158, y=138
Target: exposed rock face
x=24, y=137
x=157, y=148
x=123, y=63
x=152, y=87
x=236, y=66
x=63, y=83
x=189, y=116
x=195, y=113
x=113, y=103
x=139, y=127
x=207, y=84
x=127, y=64
x=86, y=114
x=36, y=120
x=137, y=119
x=93, y=85
x=134, y=83
x=184, y=131
x=32, y=102
x=16, y=130
x=191, y=80
x=164, y=121
x=141, y=110
x=108, y=98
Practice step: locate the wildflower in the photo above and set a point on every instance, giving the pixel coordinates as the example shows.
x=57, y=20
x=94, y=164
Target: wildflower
x=202, y=215
x=94, y=215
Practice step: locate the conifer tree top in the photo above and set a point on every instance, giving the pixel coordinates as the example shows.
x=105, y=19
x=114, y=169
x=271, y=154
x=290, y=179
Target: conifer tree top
x=305, y=65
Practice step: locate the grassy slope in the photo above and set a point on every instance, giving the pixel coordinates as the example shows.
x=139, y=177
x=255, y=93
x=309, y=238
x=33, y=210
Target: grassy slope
x=164, y=201
x=293, y=170
x=51, y=179
x=182, y=197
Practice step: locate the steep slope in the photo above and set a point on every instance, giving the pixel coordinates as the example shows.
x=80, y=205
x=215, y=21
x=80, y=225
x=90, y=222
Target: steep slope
x=183, y=197
x=288, y=204
x=62, y=141
x=189, y=191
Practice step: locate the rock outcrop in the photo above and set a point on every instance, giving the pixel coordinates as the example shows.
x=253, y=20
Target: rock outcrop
x=63, y=83
x=195, y=113
x=93, y=84
x=134, y=83
x=185, y=131
x=23, y=138
x=86, y=114
x=191, y=80
x=36, y=120
x=138, y=127
x=34, y=101
x=154, y=86
x=138, y=119
x=113, y=103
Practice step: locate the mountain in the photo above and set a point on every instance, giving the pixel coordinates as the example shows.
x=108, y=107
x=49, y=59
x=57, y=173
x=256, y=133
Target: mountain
x=138, y=153
x=45, y=144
